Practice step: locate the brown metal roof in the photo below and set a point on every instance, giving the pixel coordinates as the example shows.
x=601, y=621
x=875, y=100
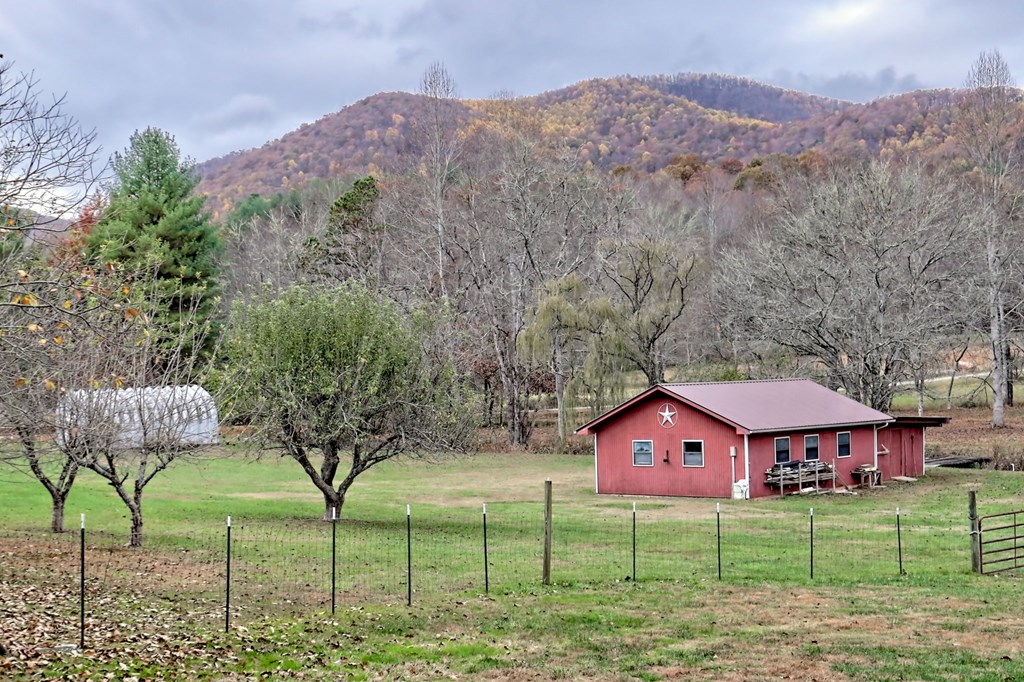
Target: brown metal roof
x=759, y=406
x=777, y=404
x=920, y=420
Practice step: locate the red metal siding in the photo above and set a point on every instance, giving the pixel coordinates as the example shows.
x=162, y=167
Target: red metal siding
x=906, y=451
x=890, y=463
x=762, y=454
x=617, y=475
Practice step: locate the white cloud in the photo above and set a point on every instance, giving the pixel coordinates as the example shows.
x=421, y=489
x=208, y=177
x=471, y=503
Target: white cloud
x=845, y=16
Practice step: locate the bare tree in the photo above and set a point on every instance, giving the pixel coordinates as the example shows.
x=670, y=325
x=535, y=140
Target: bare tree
x=39, y=341
x=647, y=272
x=437, y=135
x=860, y=275
x=272, y=250
x=534, y=217
x=46, y=157
x=988, y=128
x=131, y=403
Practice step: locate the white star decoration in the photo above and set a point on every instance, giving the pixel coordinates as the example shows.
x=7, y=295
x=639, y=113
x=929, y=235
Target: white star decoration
x=667, y=415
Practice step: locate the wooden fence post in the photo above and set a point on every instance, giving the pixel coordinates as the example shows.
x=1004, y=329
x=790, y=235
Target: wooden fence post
x=972, y=515
x=547, y=533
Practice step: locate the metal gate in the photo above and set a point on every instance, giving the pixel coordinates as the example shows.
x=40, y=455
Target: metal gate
x=1002, y=541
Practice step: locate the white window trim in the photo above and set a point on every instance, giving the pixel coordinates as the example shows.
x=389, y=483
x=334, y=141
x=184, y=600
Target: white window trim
x=632, y=453
x=850, y=434
x=788, y=449
x=682, y=455
x=818, y=437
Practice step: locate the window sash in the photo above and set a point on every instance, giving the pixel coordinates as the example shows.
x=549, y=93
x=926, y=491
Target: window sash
x=782, y=450
x=693, y=453
x=643, y=453
x=811, y=451
x=844, y=446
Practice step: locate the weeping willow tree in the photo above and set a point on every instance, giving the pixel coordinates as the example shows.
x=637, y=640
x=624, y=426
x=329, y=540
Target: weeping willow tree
x=557, y=338
x=566, y=335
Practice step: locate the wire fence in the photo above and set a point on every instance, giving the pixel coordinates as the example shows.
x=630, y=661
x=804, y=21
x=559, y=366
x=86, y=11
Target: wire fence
x=297, y=567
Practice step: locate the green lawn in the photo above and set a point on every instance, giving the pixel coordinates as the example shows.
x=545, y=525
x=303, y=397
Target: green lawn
x=967, y=392
x=160, y=611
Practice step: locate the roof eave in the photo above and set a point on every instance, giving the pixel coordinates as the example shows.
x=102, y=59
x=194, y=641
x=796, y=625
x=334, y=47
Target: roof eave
x=590, y=427
x=812, y=427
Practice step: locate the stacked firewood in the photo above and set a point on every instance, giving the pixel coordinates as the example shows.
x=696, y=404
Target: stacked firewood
x=799, y=473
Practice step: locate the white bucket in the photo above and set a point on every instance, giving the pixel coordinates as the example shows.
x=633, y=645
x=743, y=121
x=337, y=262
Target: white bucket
x=739, y=490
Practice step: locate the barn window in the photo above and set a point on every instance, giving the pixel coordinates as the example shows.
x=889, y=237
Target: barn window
x=843, y=444
x=810, y=448
x=643, y=453
x=782, y=449
x=693, y=453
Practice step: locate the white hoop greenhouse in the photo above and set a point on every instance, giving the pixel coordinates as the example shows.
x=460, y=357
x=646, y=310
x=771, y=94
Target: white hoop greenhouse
x=132, y=418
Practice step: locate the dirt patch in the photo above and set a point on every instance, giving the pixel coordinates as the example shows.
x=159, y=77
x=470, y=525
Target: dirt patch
x=970, y=431
x=55, y=560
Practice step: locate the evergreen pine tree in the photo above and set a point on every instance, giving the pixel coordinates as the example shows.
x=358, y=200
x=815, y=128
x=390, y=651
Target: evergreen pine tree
x=156, y=230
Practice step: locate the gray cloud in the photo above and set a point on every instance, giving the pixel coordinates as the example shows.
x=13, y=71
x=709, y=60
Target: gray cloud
x=857, y=87
x=236, y=73
x=345, y=21
x=241, y=111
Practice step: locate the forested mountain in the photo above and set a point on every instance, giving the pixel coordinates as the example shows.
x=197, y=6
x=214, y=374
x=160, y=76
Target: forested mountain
x=637, y=123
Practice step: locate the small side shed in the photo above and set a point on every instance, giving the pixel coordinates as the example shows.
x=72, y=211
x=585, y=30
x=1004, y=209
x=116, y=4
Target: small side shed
x=721, y=439
x=901, y=445
x=131, y=418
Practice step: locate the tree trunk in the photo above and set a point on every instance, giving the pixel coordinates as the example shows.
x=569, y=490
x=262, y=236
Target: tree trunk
x=135, y=539
x=998, y=366
x=560, y=403
x=1009, y=372
x=953, y=373
x=57, y=515
x=488, y=403
x=332, y=501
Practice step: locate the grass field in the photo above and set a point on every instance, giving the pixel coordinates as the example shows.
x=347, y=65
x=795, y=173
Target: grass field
x=160, y=612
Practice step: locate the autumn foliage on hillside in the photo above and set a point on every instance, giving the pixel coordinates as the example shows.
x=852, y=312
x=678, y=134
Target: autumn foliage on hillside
x=639, y=125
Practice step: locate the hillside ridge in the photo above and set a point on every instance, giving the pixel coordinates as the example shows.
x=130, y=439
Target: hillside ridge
x=636, y=122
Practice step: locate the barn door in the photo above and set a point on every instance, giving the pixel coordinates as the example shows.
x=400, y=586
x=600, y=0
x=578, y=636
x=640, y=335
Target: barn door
x=914, y=466
x=890, y=441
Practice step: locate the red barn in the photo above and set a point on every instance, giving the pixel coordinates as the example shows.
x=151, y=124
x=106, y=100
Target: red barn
x=720, y=440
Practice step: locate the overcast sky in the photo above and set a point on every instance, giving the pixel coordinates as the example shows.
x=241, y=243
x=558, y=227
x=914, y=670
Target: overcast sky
x=223, y=75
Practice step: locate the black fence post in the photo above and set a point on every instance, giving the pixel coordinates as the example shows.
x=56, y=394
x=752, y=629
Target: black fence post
x=81, y=587
x=227, y=584
x=408, y=554
x=487, y=580
x=718, y=535
x=546, y=563
x=812, y=543
x=899, y=541
x=634, y=542
x=334, y=557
